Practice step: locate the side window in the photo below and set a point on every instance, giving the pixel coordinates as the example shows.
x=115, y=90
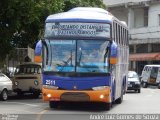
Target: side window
x=28, y=70
x=127, y=37
x=145, y=69
x=117, y=37
x=119, y=34
x=113, y=31
x=39, y=70
x=159, y=19
x=33, y=70
x=124, y=39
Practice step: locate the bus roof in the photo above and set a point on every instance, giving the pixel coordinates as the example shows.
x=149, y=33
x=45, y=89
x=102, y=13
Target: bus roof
x=152, y=65
x=82, y=14
x=93, y=9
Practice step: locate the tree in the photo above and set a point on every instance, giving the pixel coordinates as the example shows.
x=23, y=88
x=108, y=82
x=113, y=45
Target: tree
x=22, y=22
x=69, y=4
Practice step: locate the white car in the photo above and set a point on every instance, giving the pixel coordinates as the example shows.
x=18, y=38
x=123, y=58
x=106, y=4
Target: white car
x=5, y=86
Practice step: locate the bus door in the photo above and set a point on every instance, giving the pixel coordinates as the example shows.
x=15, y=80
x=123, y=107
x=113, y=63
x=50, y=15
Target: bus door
x=153, y=75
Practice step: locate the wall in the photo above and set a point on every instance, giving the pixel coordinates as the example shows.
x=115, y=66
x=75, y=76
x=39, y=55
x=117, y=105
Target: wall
x=153, y=29
x=154, y=11
x=120, y=13
x=119, y=2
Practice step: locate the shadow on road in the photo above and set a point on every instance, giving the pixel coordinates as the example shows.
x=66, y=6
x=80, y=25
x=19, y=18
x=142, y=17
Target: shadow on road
x=22, y=97
x=132, y=92
x=82, y=106
x=151, y=87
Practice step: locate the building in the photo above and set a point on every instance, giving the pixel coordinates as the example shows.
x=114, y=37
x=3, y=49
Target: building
x=16, y=57
x=143, y=19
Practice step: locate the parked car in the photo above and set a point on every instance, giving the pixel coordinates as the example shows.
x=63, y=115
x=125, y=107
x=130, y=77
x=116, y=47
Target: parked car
x=27, y=79
x=134, y=82
x=5, y=86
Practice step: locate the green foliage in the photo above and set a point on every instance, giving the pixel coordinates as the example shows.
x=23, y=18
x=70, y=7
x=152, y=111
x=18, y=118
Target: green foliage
x=69, y=4
x=22, y=22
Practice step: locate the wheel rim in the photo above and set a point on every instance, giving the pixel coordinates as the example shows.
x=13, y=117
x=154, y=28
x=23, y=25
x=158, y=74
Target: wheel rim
x=5, y=96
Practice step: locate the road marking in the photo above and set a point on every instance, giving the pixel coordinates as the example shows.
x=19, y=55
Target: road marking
x=18, y=111
x=40, y=114
x=32, y=105
x=149, y=95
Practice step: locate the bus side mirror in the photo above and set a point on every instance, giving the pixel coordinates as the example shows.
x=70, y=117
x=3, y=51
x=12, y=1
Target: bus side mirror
x=114, y=53
x=38, y=51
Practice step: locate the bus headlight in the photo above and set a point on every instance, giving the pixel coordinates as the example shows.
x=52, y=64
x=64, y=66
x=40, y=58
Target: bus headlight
x=16, y=83
x=49, y=95
x=36, y=82
x=100, y=88
x=50, y=87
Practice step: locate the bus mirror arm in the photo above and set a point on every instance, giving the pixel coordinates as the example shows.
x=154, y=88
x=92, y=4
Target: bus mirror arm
x=45, y=45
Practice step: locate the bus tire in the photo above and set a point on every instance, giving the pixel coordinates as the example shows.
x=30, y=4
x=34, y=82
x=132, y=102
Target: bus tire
x=120, y=99
x=53, y=104
x=106, y=106
x=159, y=86
x=4, y=95
x=36, y=94
x=139, y=90
x=144, y=85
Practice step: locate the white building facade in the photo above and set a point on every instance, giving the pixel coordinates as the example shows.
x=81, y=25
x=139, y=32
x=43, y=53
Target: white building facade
x=143, y=19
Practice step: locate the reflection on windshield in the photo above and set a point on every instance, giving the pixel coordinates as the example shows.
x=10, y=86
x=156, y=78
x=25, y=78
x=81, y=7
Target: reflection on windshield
x=90, y=56
x=77, y=56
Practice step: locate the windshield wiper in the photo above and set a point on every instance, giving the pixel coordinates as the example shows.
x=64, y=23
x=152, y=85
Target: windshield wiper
x=79, y=60
x=66, y=63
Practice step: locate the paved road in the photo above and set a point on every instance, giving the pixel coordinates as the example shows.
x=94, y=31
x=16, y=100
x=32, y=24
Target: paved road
x=35, y=109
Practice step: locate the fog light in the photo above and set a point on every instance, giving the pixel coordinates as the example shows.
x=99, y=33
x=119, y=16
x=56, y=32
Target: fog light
x=49, y=95
x=101, y=96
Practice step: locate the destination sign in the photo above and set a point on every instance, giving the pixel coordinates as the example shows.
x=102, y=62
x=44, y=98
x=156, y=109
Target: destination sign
x=77, y=30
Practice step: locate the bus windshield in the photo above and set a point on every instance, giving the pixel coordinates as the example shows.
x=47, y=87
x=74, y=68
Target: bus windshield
x=77, y=56
x=28, y=69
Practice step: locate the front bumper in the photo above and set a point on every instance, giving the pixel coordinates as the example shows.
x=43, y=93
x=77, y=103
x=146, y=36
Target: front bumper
x=77, y=96
x=31, y=90
x=134, y=87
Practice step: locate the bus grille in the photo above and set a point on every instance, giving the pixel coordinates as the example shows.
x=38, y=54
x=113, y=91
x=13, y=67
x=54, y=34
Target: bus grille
x=75, y=96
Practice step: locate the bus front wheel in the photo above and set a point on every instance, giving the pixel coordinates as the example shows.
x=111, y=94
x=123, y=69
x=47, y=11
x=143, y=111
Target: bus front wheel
x=36, y=94
x=106, y=106
x=120, y=99
x=159, y=86
x=53, y=104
